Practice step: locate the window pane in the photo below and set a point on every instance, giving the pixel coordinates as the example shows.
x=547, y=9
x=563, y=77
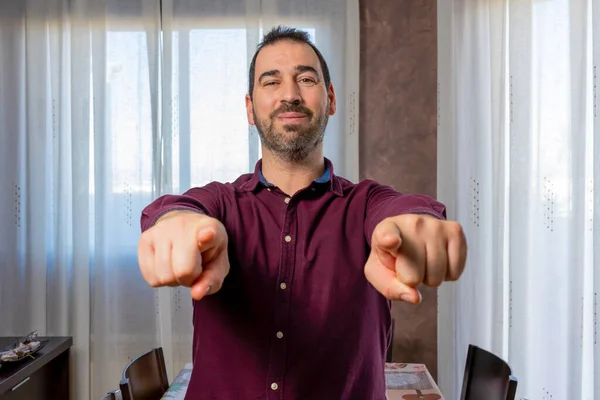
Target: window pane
x=218, y=124
x=129, y=121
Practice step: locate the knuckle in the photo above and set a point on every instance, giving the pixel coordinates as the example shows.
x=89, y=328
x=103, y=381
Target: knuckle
x=456, y=273
x=455, y=229
x=434, y=280
x=149, y=277
x=165, y=277
x=184, y=273
x=153, y=283
x=145, y=239
x=412, y=223
x=411, y=280
x=438, y=227
x=416, y=221
x=379, y=233
x=453, y=274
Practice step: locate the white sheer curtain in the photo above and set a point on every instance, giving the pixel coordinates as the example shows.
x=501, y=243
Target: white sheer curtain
x=518, y=161
x=105, y=105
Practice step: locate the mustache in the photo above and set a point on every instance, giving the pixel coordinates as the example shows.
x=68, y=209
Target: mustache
x=291, y=108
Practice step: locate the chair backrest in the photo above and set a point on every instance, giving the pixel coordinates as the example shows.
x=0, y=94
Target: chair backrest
x=145, y=378
x=113, y=395
x=487, y=377
x=512, y=388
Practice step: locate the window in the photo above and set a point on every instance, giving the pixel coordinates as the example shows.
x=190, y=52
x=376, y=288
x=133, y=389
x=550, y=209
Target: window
x=206, y=72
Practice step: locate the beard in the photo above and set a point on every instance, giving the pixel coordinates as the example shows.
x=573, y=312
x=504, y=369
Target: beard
x=293, y=142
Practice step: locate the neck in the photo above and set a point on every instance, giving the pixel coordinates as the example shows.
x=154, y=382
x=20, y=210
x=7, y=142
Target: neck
x=292, y=177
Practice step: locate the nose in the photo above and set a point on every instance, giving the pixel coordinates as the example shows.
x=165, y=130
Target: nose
x=291, y=93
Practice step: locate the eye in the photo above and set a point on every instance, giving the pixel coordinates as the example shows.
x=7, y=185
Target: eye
x=307, y=80
x=270, y=83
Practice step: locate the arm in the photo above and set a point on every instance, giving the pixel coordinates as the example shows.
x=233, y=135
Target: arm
x=384, y=202
x=183, y=243
x=204, y=200
x=411, y=244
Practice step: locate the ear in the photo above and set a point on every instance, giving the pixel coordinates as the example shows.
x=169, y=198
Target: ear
x=332, y=101
x=249, y=113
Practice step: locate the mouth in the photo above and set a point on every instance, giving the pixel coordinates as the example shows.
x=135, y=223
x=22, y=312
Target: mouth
x=291, y=117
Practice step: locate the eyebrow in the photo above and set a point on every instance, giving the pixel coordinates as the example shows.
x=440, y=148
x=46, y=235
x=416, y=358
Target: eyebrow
x=306, y=68
x=299, y=69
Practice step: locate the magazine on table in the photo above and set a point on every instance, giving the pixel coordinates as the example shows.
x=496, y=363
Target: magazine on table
x=410, y=382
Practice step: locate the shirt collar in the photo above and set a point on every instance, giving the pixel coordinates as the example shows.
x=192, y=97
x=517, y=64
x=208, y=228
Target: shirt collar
x=328, y=176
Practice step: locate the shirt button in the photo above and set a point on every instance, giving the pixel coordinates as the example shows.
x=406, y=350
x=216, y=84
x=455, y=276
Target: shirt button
x=283, y=286
x=287, y=200
x=279, y=335
x=274, y=386
x=288, y=238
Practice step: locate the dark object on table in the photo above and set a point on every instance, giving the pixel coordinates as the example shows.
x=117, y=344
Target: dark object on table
x=44, y=377
x=22, y=348
x=145, y=378
x=487, y=377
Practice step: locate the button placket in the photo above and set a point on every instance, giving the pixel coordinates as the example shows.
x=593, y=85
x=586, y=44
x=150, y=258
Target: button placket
x=286, y=266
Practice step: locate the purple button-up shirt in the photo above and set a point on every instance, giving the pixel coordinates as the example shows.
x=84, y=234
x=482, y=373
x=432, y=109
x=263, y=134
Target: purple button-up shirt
x=296, y=318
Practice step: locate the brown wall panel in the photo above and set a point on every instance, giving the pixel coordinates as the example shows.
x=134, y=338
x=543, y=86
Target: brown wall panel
x=398, y=132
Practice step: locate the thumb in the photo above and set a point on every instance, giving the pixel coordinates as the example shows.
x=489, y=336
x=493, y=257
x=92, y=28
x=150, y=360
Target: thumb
x=386, y=242
x=215, y=263
x=385, y=281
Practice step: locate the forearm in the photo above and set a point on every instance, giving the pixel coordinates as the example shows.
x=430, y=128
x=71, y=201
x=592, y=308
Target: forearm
x=385, y=202
x=166, y=206
x=176, y=213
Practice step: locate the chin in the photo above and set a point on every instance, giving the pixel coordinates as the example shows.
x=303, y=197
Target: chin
x=291, y=130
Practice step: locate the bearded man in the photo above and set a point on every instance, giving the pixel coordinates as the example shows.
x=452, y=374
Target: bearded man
x=292, y=268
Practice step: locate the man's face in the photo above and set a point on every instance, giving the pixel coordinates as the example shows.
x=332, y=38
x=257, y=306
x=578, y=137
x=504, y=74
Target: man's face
x=290, y=105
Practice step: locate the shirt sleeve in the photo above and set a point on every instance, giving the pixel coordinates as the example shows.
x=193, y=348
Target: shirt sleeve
x=204, y=200
x=384, y=202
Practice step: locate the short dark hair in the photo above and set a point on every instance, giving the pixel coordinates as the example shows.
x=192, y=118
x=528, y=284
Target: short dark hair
x=278, y=34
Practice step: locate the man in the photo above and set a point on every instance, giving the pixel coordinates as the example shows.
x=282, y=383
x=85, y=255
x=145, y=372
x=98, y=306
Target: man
x=300, y=264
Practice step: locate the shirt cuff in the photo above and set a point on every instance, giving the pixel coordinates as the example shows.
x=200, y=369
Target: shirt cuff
x=169, y=209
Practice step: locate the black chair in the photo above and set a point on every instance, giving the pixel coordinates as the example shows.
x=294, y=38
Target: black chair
x=512, y=388
x=145, y=378
x=487, y=377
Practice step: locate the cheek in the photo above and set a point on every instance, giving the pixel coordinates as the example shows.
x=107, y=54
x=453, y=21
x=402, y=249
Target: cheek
x=263, y=108
x=318, y=102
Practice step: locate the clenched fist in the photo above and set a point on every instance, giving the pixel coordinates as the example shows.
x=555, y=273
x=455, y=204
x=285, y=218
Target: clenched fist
x=185, y=248
x=409, y=250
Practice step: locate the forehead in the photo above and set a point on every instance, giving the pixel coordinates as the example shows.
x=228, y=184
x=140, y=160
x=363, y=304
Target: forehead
x=284, y=56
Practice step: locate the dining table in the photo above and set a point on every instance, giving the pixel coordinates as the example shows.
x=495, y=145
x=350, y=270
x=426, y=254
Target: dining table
x=404, y=381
